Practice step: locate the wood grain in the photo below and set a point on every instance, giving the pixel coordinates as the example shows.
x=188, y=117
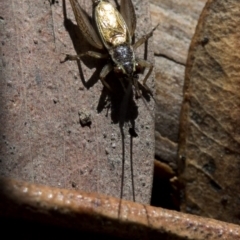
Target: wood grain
x=95, y=213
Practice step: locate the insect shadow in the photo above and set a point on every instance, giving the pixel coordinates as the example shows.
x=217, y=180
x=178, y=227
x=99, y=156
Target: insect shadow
x=121, y=100
x=123, y=105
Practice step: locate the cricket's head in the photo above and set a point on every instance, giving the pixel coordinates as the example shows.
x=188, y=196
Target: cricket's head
x=125, y=64
x=95, y=2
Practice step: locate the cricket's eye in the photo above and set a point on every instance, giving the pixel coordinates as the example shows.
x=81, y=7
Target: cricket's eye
x=118, y=71
x=138, y=68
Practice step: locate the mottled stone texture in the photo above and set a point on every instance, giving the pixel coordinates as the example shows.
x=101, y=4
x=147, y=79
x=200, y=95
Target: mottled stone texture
x=177, y=21
x=41, y=138
x=209, y=149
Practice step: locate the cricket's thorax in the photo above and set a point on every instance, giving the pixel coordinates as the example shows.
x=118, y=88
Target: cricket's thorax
x=111, y=25
x=123, y=56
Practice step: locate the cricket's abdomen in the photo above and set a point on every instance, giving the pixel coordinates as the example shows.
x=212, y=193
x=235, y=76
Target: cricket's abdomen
x=111, y=25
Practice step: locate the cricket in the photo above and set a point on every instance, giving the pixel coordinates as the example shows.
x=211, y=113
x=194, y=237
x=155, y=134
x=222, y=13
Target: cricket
x=113, y=33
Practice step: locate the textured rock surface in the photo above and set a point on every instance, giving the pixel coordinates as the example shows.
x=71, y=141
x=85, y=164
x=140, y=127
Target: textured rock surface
x=43, y=26
x=42, y=140
x=172, y=38
x=209, y=149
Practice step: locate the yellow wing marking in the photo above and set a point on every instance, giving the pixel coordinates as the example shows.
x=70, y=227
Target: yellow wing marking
x=111, y=25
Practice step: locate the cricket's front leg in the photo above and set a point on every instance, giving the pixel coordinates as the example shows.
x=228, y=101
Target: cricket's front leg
x=88, y=53
x=105, y=71
x=137, y=91
x=145, y=64
x=144, y=39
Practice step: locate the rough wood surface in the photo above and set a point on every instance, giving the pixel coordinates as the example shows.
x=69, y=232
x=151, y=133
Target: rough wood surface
x=102, y=214
x=209, y=148
x=42, y=140
x=178, y=19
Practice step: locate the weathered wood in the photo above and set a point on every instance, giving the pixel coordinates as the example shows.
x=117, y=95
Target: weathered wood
x=42, y=140
x=209, y=148
x=106, y=215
